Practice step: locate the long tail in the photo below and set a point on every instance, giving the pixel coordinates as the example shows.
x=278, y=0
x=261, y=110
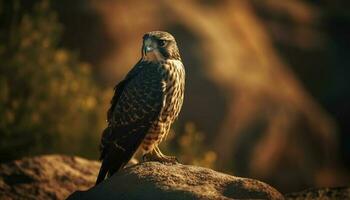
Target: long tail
x=114, y=160
x=115, y=157
x=102, y=173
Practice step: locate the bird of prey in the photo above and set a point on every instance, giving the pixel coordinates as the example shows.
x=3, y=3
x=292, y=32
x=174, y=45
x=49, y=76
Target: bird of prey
x=144, y=105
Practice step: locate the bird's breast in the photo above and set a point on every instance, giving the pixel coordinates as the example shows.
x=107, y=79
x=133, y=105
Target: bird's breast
x=174, y=92
x=174, y=79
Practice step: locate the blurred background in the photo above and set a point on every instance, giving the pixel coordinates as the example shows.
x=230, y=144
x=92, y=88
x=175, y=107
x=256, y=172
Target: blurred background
x=267, y=94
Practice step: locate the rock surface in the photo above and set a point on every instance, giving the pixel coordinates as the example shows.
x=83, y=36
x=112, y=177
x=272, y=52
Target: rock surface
x=46, y=177
x=58, y=177
x=55, y=177
x=153, y=180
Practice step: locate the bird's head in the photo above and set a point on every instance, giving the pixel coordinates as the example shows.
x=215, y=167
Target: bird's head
x=159, y=45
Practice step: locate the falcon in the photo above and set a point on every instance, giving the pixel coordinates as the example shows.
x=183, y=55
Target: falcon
x=144, y=105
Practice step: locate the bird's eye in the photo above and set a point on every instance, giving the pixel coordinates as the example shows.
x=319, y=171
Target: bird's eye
x=162, y=43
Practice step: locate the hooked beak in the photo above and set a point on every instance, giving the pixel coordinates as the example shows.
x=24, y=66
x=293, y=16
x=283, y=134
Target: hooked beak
x=148, y=48
x=148, y=45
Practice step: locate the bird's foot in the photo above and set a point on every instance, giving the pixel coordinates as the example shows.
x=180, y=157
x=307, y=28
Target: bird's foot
x=162, y=159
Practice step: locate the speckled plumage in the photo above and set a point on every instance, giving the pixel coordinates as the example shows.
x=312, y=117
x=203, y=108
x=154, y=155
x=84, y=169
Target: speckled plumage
x=173, y=97
x=145, y=103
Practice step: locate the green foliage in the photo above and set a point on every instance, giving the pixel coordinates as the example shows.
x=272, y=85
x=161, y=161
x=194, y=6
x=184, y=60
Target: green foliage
x=49, y=101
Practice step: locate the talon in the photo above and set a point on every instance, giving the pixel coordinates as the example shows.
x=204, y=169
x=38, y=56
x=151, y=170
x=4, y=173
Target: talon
x=156, y=155
x=168, y=159
x=161, y=159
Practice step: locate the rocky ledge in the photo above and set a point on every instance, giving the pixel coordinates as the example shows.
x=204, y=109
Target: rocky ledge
x=59, y=177
x=153, y=180
x=46, y=177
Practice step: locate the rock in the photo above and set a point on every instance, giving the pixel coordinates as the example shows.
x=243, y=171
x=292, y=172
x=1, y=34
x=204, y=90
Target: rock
x=46, y=177
x=321, y=193
x=153, y=180
x=56, y=176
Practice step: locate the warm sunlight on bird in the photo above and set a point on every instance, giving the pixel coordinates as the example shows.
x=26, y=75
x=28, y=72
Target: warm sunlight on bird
x=144, y=105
